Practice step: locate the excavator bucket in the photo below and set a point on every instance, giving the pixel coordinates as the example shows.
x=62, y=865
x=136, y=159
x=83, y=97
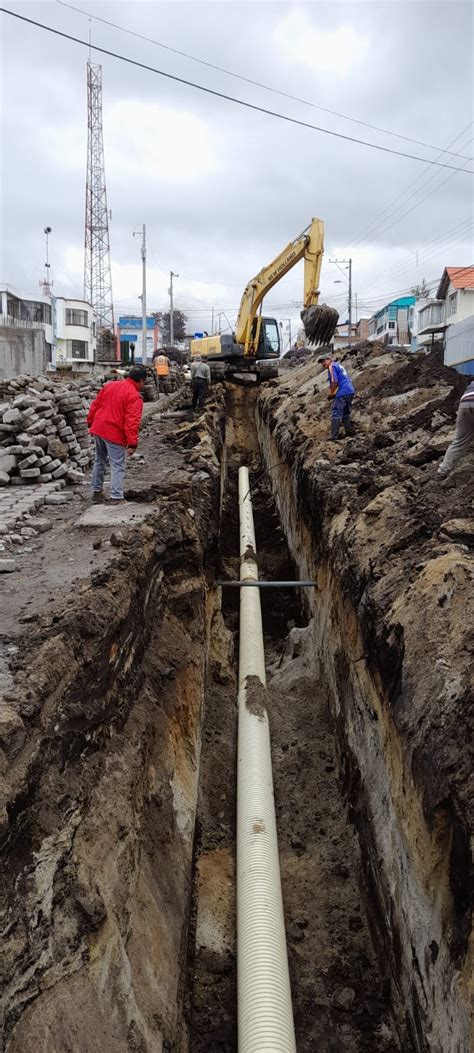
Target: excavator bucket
x=320, y=323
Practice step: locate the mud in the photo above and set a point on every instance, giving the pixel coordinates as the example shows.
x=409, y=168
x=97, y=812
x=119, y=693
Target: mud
x=393, y=632
x=256, y=697
x=119, y=724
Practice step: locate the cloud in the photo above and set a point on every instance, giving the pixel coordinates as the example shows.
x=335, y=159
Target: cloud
x=166, y=144
x=337, y=51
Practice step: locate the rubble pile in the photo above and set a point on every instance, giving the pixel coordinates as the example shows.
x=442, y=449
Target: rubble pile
x=43, y=430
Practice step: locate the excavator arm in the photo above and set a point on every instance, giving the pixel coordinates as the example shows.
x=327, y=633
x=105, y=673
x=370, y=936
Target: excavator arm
x=322, y=321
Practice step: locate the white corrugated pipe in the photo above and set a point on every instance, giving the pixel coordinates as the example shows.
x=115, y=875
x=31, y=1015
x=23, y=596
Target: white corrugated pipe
x=265, y=1017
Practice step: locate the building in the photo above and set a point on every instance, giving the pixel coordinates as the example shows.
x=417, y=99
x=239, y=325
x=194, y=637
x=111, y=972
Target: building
x=129, y=338
x=74, y=323
x=392, y=324
x=359, y=331
x=341, y=336
x=68, y=326
x=449, y=319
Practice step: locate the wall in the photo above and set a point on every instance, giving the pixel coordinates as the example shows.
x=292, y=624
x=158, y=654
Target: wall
x=459, y=351
x=465, y=305
x=21, y=351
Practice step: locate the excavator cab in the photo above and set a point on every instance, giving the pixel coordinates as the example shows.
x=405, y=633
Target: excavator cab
x=265, y=340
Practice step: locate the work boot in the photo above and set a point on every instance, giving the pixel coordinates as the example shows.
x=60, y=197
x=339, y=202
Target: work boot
x=98, y=497
x=335, y=429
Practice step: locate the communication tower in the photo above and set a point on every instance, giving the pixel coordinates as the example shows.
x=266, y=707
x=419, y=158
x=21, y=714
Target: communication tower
x=97, y=273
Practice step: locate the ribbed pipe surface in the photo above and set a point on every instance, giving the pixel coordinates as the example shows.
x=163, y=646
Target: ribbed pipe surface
x=265, y=1017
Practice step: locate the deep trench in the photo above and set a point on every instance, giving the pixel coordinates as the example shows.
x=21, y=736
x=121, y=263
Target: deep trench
x=341, y=996
x=139, y=768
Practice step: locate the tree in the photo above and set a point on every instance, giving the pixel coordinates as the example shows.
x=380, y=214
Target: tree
x=179, y=324
x=421, y=291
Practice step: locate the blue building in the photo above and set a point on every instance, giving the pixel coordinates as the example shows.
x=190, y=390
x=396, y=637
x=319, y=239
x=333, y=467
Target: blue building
x=129, y=335
x=392, y=324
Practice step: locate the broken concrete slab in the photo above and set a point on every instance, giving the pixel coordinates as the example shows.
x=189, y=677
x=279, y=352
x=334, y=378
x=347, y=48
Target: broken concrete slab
x=114, y=513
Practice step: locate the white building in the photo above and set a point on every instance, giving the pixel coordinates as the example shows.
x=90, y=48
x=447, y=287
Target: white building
x=450, y=318
x=75, y=331
x=69, y=326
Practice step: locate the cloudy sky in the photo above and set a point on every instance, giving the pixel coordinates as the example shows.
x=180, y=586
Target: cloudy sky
x=220, y=187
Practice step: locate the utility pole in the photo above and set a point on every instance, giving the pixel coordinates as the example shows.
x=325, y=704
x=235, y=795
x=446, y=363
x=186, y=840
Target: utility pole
x=349, y=298
x=170, y=290
x=350, y=303
x=144, y=295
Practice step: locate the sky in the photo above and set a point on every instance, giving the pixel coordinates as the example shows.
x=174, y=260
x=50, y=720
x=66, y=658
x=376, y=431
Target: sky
x=222, y=188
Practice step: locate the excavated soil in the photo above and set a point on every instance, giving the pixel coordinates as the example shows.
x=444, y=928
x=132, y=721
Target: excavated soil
x=118, y=730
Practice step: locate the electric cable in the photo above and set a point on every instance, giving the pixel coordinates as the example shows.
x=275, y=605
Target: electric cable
x=249, y=80
x=223, y=95
x=424, y=176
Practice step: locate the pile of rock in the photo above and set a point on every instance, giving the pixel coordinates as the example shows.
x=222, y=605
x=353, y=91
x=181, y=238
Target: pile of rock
x=43, y=432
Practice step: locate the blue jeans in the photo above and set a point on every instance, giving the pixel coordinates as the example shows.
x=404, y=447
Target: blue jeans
x=341, y=411
x=107, y=452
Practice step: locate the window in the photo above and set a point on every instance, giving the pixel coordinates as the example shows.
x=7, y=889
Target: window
x=452, y=303
x=77, y=348
x=34, y=311
x=391, y=325
x=271, y=338
x=74, y=317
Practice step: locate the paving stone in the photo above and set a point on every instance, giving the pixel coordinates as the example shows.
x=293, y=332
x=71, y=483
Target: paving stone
x=59, y=472
x=45, y=477
x=4, y=478
x=30, y=473
x=7, y=566
x=56, y=499
x=36, y=427
x=28, y=462
x=12, y=416
x=7, y=464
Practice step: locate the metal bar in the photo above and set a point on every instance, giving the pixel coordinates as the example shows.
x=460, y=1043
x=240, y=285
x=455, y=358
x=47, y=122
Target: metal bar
x=268, y=584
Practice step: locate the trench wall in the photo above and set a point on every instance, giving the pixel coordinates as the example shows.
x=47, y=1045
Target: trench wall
x=410, y=819
x=101, y=739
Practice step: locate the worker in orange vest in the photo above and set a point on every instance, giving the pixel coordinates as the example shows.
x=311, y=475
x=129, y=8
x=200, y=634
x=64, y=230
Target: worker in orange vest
x=162, y=370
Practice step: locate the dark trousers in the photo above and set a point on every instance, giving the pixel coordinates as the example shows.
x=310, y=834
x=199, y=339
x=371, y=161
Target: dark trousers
x=199, y=392
x=341, y=411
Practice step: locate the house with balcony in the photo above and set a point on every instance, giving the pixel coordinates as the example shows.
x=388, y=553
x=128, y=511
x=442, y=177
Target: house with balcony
x=75, y=333
x=392, y=324
x=449, y=319
x=46, y=332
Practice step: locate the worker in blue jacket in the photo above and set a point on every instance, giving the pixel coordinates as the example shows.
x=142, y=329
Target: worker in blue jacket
x=341, y=391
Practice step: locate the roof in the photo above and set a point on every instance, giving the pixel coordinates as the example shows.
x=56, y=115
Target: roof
x=459, y=277
x=402, y=301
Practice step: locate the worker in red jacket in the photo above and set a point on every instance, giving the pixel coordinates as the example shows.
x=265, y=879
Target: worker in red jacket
x=114, y=419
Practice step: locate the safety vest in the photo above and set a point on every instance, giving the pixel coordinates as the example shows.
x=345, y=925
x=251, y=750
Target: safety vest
x=162, y=366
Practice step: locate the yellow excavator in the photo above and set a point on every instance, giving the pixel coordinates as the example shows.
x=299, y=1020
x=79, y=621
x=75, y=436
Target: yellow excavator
x=254, y=347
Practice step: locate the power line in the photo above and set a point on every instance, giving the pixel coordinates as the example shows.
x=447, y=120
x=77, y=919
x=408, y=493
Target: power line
x=383, y=216
x=223, y=95
x=249, y=80
x=454, y=234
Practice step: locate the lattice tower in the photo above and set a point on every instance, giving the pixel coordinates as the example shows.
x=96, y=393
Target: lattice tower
x=97, y=273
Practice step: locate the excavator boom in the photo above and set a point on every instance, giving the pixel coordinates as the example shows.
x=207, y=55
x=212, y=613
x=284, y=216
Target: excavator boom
x=257, y=338
x=319, y=322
